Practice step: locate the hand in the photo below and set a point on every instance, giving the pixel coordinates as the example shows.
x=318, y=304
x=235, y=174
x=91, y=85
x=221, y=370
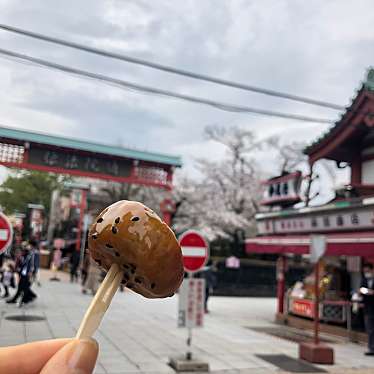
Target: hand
x=63, y=356
x=366, y=291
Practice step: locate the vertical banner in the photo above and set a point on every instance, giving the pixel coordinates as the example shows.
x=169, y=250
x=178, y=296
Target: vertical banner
x=317, y=247
x=191, y=303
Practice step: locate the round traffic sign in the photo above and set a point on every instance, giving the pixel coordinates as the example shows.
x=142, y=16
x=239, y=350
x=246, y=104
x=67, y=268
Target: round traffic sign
x=195, y=250
x=6, y=233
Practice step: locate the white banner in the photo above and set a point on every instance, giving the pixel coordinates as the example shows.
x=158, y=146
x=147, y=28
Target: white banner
x=317, y=247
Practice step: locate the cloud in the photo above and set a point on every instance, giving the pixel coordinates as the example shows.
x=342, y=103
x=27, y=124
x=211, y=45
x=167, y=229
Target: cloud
x=320, y=50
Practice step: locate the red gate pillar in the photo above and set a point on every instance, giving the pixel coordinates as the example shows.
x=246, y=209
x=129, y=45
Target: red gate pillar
x=167, y=208
x=281, y=283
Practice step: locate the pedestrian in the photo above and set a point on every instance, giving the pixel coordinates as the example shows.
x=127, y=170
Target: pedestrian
x=208, y=274
x=25, y=273
x=35, y=251
x=7, y=278
x=56, y=263
x=74, y=265
x=84, y=267
x=93, y=276
x=367, y=291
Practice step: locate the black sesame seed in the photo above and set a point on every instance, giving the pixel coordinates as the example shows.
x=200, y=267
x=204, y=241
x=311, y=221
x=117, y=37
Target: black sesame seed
x=117, y=220
x=101, y=219
x=134, y=219
x=133, y=266
x=153, y=285
x=125, y=266
x=130, y=285
x=124, y=281
x=132, y=271
x=114, y=230
x=94, y=236
x=117, y=254
x=126, y=276
x=108, y=245
x=138, y=280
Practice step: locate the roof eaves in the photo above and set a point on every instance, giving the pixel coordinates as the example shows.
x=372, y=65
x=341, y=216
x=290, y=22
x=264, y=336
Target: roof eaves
x=41, y=138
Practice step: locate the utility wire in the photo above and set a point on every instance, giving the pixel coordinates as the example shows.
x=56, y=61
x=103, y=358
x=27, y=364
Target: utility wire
x=172, y=70
x=151, y=90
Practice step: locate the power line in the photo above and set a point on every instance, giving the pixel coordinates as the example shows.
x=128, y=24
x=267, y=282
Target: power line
x=172, y=70
x=151, y=90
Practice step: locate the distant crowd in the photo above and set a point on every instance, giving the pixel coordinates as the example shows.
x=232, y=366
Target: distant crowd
x=18, y=271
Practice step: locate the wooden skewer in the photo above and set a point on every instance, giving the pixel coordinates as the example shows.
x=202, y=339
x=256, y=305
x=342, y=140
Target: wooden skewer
x=100, y=303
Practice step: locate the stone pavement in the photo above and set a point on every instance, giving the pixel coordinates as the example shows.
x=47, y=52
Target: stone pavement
x=139, y=335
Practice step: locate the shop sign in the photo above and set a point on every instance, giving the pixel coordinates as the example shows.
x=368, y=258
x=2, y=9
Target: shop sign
x=330, y=221
x=73, y=160
x=302, y=307
x=191, y=303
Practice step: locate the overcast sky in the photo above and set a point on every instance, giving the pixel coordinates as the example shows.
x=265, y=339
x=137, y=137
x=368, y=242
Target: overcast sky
x=319, y=49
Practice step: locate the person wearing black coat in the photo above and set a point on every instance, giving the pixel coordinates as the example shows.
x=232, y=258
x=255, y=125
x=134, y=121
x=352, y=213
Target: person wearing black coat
x=367, y=292
x=25, y=273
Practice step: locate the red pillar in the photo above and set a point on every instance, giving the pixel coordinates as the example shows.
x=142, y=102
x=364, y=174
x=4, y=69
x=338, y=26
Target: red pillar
x=356, y=170
x=82, y=208
x=281, y=283
x=167, y=208
x=316, y=303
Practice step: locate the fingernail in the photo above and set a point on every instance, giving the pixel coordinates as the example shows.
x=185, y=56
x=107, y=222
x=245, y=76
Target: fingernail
x=82, y=356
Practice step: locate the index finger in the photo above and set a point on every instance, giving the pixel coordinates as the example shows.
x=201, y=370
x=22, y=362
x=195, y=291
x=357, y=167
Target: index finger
x=29, y=358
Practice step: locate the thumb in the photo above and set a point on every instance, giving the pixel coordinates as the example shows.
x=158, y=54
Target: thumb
x=76, y=357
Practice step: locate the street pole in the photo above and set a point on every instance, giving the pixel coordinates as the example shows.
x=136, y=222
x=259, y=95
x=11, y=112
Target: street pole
x=313, y=351
x=189, y=339
x=316, y=303
x=53, y=212
x=281, y=283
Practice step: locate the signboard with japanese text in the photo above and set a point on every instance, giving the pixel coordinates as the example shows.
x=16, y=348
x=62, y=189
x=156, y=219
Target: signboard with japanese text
x=302, y=307
x=75, y=161
x=191, y=303
x=336, y=220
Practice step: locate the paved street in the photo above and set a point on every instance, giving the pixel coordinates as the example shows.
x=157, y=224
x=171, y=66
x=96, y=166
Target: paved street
x=139, y=335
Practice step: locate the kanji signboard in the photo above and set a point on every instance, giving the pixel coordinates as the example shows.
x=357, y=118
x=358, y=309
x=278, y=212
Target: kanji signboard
x=195, y=250
x=6, y=233
x=191, y=303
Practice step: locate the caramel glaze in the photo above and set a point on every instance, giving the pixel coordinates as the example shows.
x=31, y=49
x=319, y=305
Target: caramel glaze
x=133, y=236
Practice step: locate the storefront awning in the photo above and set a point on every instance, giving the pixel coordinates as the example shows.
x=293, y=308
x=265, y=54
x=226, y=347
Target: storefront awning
x=344, y=244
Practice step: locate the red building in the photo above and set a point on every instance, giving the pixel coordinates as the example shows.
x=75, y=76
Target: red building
x=347, y=222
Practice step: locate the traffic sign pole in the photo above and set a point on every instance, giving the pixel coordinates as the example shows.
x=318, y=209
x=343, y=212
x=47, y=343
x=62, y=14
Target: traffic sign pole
x=189, y=338
x=195, y=251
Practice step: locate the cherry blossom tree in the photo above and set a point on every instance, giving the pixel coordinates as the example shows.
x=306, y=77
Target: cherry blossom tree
x=223, y=203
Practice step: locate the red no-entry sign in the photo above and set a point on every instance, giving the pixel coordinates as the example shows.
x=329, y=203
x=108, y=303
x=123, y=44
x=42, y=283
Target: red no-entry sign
x=6, y=233
x=195, y=250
